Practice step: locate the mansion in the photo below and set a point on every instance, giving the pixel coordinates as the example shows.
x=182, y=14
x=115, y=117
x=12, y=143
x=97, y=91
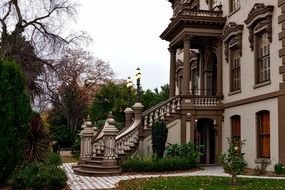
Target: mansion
x=226, y=80
x=227, y=72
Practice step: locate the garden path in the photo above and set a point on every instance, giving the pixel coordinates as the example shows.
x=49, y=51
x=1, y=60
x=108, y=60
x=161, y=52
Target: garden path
x=77, y=182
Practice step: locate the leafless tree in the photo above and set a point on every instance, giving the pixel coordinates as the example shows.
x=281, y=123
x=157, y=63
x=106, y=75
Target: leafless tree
x=32, y=32
x=73, y=83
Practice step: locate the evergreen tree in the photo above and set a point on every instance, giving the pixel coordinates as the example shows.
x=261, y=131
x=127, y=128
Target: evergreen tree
x=15, y=112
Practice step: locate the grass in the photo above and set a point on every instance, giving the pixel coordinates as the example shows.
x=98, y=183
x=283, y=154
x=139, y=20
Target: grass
x=200, y=183
x=69, y=159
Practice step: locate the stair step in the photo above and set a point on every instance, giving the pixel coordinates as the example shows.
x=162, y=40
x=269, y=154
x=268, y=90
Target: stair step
x=98, y=162
x=81, y=171
x=99, y=167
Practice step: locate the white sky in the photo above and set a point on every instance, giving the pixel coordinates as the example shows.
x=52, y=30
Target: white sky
x=126, y=34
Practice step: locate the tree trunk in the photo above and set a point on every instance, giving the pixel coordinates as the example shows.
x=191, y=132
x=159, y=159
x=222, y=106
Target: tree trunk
x=234, y=180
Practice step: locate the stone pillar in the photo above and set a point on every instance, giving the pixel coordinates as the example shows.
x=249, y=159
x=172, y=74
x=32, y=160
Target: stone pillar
x=220, y=69
x=138, y=109
x=186, y=64
x=86, y=136
x=129, y=112
x=109, y=138
x=172, y=51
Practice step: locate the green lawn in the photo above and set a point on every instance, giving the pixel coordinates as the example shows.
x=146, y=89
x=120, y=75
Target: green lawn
x=200, y=183
x=69, y=159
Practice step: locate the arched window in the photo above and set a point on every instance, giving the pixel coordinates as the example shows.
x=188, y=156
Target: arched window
x=263, y=134
x=235, y=122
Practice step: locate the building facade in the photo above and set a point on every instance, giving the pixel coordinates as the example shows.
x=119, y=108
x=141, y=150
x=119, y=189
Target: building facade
x=226, y=78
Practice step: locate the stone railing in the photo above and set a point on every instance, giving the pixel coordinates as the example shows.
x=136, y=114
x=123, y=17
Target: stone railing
x=161, y=111
x=186, y=9
x=206, y=101
x=200, y=13
x=127, y=140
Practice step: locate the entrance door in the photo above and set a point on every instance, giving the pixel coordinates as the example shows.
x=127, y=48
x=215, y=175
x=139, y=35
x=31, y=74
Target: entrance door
x=206, y=137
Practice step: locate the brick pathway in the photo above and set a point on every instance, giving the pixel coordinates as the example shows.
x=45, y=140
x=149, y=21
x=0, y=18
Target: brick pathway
x=93, y=183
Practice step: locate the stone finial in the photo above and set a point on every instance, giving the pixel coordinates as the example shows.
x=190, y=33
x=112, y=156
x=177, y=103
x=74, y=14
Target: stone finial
x=111, y=119
x=88, y=122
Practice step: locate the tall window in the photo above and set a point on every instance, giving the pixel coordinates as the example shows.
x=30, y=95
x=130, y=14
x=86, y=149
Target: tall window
x=263, y=57
x=263, y=125
x=234, y=5
x=235, y=127
x=235, y=70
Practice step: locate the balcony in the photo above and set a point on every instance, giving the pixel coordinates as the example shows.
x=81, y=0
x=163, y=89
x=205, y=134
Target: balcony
x=185, y=18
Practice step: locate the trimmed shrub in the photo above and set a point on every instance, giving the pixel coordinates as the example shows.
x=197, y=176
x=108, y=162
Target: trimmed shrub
x=38, y=176
x=151, y=164
x=15, y=113
x=188, y=150
x=53, y=159
x=159, y=137
x=279, y=169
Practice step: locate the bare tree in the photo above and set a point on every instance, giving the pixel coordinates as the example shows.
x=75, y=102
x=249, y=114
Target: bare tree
x=73, y=83
x=31, y=32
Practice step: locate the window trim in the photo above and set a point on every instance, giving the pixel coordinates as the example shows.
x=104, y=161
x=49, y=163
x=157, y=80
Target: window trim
x=231, y=9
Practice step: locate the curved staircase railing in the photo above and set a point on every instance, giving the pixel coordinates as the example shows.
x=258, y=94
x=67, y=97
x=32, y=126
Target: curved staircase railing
x=161, y=111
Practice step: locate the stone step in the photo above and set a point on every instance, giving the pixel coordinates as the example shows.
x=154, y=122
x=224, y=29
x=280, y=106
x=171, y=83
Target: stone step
x=98, y=167
x=98, y=162
x=80, y=171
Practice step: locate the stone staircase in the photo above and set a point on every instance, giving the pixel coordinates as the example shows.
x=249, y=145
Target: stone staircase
x=102, y=152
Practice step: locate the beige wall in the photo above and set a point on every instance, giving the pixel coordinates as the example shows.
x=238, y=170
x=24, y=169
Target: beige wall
x=174, y=137
x=248, y=129
x=247, y=59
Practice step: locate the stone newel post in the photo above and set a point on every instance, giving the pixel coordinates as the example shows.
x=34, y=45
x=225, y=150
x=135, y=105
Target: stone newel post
x=86, y=136
x=138, y=109
x=129, y=112
x=110, y=133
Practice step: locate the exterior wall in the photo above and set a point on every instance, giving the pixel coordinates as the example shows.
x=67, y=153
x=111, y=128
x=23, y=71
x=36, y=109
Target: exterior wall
x=247, y=58
x=174, y=137
x=249, y=130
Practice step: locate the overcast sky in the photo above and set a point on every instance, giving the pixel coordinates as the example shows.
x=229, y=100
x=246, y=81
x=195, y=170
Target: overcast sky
x=126, y=34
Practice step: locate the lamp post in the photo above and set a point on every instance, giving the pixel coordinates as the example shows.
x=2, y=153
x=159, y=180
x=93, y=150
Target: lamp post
x=129, y=86
x=138, y=77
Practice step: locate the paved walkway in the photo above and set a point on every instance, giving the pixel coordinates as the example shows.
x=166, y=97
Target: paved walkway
x=93, y=183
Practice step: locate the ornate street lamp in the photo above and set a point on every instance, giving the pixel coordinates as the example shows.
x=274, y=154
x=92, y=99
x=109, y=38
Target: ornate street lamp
x=129, y=86
x=138, y=77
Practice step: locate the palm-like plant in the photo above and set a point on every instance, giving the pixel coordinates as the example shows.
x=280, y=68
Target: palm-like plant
x=38, y=140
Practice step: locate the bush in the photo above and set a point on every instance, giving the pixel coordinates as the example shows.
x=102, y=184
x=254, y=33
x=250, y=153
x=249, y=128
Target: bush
x=159, y=137
x=233, y=161
x=152, y=164
x=64, y=136
x=39, y=176
x=188, y=150
x=279, y=169
x=262, y=168
x=38, y=140
x=14, y=117
x=53, y=159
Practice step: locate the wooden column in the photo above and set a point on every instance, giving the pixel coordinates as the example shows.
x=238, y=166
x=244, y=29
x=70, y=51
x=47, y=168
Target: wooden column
x=172, y=71
x=186, y=64
x=219, y=69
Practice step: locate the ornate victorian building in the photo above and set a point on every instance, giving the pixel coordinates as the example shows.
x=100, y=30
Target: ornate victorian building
x=227, y=77
x=227, y=80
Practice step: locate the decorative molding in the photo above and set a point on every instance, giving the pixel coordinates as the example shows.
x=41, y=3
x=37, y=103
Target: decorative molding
x=186, y=37
x=179, y=64
x=260, y=17
x=172, y=50
x=232, y=37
